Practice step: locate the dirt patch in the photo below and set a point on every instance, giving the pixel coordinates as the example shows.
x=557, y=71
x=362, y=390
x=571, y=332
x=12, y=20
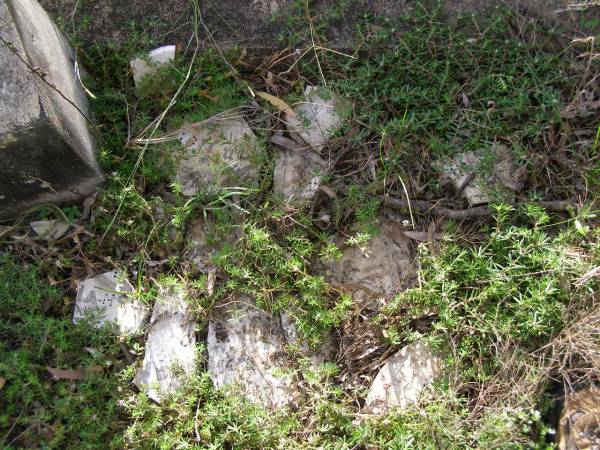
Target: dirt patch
x=259, y=24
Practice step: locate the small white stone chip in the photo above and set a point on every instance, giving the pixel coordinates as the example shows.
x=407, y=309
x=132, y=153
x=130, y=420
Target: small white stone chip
x=147, y=66
x=105, y=299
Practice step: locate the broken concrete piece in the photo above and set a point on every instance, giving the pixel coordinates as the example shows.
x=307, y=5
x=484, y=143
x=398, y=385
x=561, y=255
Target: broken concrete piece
x=319, y=117
x=218, y=151
x=246, y=351
x=297, y=175
x=47, y=151
x=143, y=67
x=49, y=229
x=104, y=299
x=403, y=378
x=373, y=276
x=170, y=352
x=483, y=176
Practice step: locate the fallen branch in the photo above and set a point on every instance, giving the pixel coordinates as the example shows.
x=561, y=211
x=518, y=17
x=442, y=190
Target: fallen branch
x=426, y=207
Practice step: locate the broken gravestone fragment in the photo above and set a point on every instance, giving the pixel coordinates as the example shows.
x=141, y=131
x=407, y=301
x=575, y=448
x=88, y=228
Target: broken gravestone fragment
x=144, y=67
x=47, y=151
x=403, y=379
x=170, y=352
x=219, y=152
x=297, y=175
x=105, y=299
x=49, y=229
x=246, y=352
x=317, y=119
x=373, y=274
x=484, y=176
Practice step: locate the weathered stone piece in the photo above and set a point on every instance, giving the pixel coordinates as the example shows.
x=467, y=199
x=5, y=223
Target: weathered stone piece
x=297, y=175
x=49, y=229
x=374, y=274
x=479, y=184
x=319, y=117
x=403, y=378
x=47, y=152
x=143, y=67
x=246, y=352
x=219, y=151
x=170, y=352
x=104, y=299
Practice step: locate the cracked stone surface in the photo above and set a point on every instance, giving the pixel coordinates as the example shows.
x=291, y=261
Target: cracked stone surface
x=297, y=175
x=246, y=352
x=483, y=176
x=218, y=151
x=373, y=276
x=104, y=299
x=319, y=117
x=403, y=379
x=170, y=352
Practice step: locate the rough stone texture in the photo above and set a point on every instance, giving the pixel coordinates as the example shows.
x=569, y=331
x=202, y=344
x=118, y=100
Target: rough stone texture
x=470, y=174
x=103, y=299
x=402, y=379
x=170, y=352
x=142, y=67
x=579, y=425
x=297, y=175
x=47, y=152
x=218, y=152
x=373, y=276
x=49, y=229
x=246, y=351
x=319, y=117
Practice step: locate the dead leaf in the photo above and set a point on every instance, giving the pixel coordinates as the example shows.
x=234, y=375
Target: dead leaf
x=277, y=103
x=330, y=192
x=431, y=238
x=63, y=374
x=80, y=374
x=286, y=143
x=2, y=382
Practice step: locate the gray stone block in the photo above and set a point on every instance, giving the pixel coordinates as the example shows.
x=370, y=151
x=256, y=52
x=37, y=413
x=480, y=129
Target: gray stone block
x=47, y=151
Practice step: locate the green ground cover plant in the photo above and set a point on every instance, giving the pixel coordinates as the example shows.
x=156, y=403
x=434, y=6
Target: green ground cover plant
x=499, y=293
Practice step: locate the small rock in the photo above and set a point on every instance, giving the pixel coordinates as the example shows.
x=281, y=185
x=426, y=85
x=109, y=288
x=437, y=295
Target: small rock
x=49, y=229
x=219, y=151
x=104, y=299
x=246, y=351
x=319, y=117
x=297, y=175
x=143, y=67
x=374, y=275
x=170, y=352
x=468, y=174
x=403, y=378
